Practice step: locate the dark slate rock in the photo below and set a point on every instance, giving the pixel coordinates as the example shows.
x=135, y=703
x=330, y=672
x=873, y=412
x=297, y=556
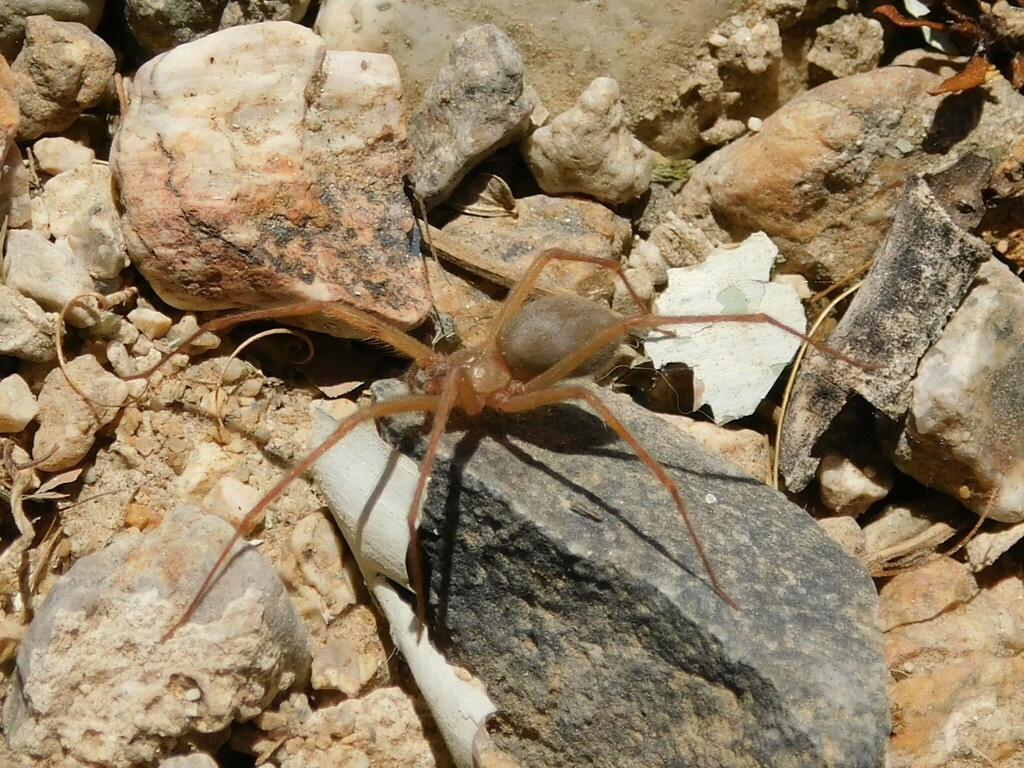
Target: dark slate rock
x=562, y=575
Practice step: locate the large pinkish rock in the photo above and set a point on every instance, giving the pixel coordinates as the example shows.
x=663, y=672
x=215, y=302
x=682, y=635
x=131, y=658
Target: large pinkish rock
x=258, y=168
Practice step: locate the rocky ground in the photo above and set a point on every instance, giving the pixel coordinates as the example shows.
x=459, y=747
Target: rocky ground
x=845, y=169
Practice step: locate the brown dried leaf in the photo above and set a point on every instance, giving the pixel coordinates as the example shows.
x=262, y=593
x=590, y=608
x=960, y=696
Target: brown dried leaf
x=977, y=72
x=485, y=195
x=894, y=15
x=64, y=477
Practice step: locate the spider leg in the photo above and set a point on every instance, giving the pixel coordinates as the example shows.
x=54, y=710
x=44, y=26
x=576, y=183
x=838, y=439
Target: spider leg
x=408, y=404
x=446, y=400
x=538, y=398
x=373, y=327
x=584, y=352
x=521, y=292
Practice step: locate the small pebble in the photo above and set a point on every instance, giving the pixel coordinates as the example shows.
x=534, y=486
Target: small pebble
x=17, y=404
x=152, y=323
x=56, y=154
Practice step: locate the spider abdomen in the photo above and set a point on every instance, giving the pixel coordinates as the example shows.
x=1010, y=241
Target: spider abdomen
x=547, y=330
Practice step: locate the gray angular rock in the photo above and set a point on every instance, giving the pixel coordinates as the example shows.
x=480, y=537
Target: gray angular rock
x=563, y=577
x=474, y=106
x=95, y=684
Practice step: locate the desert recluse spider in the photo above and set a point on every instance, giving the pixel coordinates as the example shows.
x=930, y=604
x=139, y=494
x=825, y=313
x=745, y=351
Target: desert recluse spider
x=529, y=350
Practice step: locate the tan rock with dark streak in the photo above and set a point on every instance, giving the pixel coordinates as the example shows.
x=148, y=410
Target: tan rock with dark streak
x=257, y=168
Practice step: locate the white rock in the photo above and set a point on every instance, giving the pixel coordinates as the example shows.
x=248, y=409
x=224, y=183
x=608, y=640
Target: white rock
x=589, y=150
x=81, y=209
x=848, y=488
x=851, y=44
x=737, y=362
x=336, y=667
x=230, y=500
x=964, y=434
x=46, y=272
x=152, y=323
x=988, y=546
x=56, y=154
x=17, y=404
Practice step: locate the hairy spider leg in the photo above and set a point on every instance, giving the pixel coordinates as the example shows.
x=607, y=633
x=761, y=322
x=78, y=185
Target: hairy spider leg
x=568, y=364
x=406, y=404
x=363, y=321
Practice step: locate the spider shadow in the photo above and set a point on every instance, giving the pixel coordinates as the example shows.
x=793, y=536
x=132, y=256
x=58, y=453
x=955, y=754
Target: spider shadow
x=563, y=429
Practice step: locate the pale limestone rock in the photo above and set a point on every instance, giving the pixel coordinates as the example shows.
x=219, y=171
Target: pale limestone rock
x=849, y=487
x=230, y=500
x=746, y=448
x=958, y=671
x=589, y=150
x=850, y=44
x=925, y=593
x=381, y=728
x=964, y=433
x=62, y=70
x=195, y=760
x=25, y=330
x=258, y=168
x=988, y=546
x=336, y=667
x=10, y=118
x=17, y=404
x=151, y=322
x=680, y=243
x=81, y=211
x=57, y=154
x=749, y=48
x=670, y=77
x=98, y=685
x=571, y=224
x=47, y=272
x=68, y=423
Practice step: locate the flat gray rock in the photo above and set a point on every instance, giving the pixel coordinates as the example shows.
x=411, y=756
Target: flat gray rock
x=562, y=575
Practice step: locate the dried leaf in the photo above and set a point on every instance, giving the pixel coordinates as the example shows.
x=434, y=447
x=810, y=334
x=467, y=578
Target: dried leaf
x=893, y=14
x=738, y=363
x=64, y=477
x=977, y=72
x=485, y=195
